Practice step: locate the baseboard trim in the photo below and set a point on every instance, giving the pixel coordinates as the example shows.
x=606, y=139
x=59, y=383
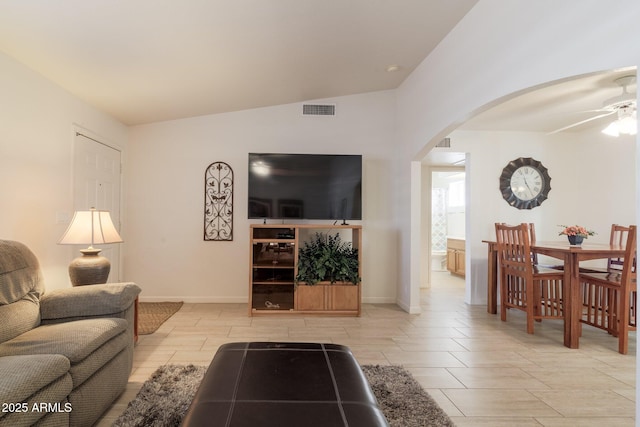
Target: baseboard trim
x=244, y=300
x=409, y=308
x=378, y=300
x=197, y=300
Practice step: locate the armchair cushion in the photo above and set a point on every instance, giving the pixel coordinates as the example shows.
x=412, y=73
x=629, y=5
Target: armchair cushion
x=78, y=341
x=74, y=340
x=19, y=272
x=19, y=317
x=21, y=285
x=82, y=302
x=31, y=380
x=25, y=375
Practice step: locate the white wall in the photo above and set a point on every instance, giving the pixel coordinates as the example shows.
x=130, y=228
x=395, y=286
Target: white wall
x=498, y=49
x=166, y=254
x=36, y=146
x=592, y=184
x=475, y=65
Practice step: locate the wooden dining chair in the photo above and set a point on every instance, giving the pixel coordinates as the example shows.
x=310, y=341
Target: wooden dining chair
x=618, y=236
x=610, y=298
x=534, y=256
x=531, y=227
x=524, y=286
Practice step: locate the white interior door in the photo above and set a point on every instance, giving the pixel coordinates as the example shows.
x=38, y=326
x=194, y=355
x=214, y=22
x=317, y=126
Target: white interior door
x=97, y=175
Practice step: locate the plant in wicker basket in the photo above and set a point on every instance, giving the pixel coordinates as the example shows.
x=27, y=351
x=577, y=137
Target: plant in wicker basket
x=327, y=258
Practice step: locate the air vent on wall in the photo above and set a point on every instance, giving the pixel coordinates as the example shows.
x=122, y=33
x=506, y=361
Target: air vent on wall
x=445, y=143
x=318, y=110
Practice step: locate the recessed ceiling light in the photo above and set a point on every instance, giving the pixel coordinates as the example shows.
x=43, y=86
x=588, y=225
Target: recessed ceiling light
x=393, y=68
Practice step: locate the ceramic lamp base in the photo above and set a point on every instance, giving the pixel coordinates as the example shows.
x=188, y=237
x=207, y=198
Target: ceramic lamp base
x=89, y=269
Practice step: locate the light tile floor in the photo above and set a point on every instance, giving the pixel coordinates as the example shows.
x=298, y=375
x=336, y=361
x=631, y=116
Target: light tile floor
x=482, y=372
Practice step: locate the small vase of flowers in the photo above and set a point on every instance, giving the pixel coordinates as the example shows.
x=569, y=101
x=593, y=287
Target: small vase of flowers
x=575, y=233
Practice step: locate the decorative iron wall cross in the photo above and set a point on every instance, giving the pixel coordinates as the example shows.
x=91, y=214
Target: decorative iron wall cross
x=218, y=202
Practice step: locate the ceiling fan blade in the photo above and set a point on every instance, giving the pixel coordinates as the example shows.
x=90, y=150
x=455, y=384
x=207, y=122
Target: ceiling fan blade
x=581, y=122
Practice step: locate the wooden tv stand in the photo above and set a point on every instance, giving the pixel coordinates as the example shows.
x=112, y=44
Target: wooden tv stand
x=273, y=268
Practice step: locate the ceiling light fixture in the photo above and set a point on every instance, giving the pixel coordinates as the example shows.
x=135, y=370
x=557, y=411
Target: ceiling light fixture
x=626, y=124
x=393, y=68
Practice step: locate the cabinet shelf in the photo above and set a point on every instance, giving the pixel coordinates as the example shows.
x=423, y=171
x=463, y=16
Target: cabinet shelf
x=266, y=282
x=283, y=241
x=273, y=266
x=270, y=265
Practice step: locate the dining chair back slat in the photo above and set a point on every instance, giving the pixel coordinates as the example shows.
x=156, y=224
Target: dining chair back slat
x=619, y=236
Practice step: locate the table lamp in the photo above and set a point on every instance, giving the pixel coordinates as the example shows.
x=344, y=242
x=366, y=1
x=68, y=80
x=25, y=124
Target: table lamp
x=90, y=227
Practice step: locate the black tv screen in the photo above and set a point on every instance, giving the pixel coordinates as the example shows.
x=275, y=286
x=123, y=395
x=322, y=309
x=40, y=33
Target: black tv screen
x=305, y=186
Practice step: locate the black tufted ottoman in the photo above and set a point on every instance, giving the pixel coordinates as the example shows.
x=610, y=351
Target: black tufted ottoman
x=284, y=384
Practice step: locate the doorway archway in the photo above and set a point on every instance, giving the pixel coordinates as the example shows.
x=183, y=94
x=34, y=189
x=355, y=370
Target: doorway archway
x=531, y=115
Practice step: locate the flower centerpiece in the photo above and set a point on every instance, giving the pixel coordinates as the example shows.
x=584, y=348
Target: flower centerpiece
x=575, y=233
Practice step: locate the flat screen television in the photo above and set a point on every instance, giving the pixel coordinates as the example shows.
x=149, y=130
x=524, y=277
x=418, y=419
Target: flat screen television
x=305, y=186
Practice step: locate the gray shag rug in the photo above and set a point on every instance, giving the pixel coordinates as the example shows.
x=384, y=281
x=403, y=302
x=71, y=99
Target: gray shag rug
x=402, y=400
x=164, y=399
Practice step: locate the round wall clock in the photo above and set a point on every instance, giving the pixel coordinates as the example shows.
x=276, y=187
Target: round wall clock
x=525, y=183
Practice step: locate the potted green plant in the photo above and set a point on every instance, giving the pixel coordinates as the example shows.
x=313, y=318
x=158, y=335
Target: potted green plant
x=327, y=258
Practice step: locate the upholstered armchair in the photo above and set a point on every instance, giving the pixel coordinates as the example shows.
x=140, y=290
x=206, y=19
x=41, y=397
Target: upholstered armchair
x=70, y=349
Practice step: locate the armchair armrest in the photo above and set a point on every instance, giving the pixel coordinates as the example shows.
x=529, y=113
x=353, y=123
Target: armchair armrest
x=107, y=300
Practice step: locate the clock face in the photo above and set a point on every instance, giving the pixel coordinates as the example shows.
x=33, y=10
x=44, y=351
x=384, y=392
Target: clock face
x=525, y=183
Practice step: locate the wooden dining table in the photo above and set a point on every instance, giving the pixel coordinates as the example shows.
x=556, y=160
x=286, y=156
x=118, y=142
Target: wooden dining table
x=571, y=257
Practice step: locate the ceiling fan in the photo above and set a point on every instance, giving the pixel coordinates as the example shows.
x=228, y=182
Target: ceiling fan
x=624, y=105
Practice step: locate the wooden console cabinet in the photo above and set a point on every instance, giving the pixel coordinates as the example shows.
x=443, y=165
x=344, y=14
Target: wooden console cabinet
x=274, y=259
x=455, y=256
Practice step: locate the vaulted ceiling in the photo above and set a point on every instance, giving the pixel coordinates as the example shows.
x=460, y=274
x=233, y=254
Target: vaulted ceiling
x=145, y=61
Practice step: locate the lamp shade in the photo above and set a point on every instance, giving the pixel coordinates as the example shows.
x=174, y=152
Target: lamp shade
x=92, y=227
